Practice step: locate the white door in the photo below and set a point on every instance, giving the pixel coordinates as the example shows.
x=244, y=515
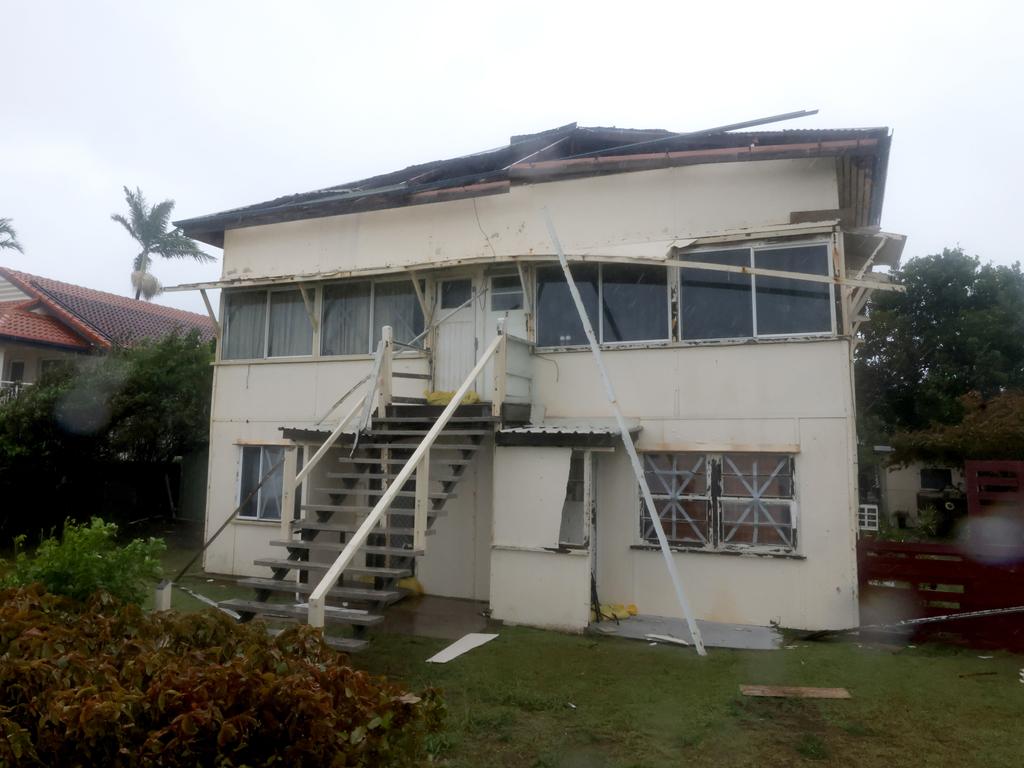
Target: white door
x=455, y=347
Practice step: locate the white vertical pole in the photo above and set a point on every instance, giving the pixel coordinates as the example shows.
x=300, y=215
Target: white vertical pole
x=419, y=538
x=384, y=382
x=627, y=442
x=500, y=371
x=290, y=469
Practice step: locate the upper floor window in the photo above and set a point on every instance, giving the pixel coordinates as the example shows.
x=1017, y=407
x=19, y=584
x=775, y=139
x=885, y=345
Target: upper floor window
x=268, y=323
x=716, y=304
x=624, y=303
x=354, y=314
x=506, y=293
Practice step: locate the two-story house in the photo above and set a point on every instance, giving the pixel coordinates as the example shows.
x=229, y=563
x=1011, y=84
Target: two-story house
x=725, y=275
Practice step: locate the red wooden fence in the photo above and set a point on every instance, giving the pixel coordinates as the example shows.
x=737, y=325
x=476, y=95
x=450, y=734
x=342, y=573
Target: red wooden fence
x=994, y=487
x=908, y=580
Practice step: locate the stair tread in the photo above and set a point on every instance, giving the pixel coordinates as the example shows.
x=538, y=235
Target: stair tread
x=379, y=492
x=432, y=418
x=342, y=592
x=344, y=644
x=413, y=446
x=363, y=508
x=434, y=477
x=316, y=525
x=335, y=546
x=421, y=432
x=332, y=614
x=303, y=565
x=373, y=460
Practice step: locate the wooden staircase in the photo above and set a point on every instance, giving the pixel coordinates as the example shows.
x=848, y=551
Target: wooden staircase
x=358, y=473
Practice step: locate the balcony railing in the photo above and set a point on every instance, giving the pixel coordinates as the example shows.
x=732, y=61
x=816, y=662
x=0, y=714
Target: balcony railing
x=11, y=389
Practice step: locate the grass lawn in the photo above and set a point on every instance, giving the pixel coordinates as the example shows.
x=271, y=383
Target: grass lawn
x=533, y=698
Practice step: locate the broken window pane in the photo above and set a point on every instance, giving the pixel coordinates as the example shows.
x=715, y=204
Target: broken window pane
x=573, y=529
x=346, y=319
x=245, y=325
x=787, y=305
x=506, y=293
x=634, y=303
x=558, y=323
x=716, y=305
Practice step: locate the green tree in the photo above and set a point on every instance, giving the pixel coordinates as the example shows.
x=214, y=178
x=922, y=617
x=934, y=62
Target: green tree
x=958, y=329
x=148, y=225
x=8, y=237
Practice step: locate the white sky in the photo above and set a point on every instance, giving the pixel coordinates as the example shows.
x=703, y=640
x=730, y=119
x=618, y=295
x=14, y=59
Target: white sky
x=220, y=104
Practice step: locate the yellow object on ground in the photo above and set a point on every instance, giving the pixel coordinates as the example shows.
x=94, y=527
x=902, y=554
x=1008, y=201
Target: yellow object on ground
x=443, y=398
x=613, y=611
x=412, y=584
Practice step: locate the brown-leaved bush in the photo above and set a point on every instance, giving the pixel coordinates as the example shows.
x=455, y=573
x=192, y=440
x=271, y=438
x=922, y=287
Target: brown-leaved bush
x=103, y=683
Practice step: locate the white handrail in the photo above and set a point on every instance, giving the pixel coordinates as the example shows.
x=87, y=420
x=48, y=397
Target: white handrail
x=318, y=599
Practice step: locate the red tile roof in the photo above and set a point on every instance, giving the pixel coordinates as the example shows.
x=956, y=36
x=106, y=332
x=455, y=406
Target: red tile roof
x=19, y=322
x=106, y=318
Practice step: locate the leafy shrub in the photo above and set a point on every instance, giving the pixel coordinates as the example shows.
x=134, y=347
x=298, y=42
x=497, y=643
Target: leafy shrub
x=87, y=559
x=105, y=684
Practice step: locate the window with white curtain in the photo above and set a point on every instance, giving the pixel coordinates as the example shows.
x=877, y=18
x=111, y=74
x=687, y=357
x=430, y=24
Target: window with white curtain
x=351, y=310
x=265, y=502
x=268, y=323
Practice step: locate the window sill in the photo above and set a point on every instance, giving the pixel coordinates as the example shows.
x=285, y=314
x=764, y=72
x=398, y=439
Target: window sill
x=399, y=354
x=259, y=523
x=623, y=346
x=756, y=553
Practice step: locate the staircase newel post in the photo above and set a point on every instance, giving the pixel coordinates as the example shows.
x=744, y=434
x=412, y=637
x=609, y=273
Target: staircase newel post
x=500, y=371
x=422, y=507
x=316, y=614
x=289, y=470
x=385, y=380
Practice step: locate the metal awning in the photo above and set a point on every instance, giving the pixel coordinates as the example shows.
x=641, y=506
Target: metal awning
x=566, y=435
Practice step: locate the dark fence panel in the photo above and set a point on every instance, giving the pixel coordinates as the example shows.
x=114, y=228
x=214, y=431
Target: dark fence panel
x=910, y=580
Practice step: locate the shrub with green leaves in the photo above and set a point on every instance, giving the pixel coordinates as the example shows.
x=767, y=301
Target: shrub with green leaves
x=103, y=683
x=87, y=559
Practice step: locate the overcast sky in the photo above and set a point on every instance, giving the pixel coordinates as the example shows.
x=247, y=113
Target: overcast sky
x=219, y=104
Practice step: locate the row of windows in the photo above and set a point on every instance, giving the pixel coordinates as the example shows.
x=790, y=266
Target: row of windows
x=625, y=303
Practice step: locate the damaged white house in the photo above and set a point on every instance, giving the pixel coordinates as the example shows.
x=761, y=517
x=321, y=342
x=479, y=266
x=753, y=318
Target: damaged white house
x=725, y=274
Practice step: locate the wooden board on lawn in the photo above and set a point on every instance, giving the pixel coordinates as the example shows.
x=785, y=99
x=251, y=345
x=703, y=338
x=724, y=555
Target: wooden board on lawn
x=794, y=692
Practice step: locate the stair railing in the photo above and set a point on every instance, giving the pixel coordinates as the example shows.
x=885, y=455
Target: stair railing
x=420, y=459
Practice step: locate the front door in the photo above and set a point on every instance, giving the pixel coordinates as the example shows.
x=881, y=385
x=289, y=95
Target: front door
x=455, y=345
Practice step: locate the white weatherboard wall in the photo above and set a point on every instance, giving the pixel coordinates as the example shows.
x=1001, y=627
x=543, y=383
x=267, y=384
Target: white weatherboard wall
x=590, y=213
x=529, y=584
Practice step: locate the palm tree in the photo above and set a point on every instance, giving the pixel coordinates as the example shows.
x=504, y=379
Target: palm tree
x=8, y=237
x=148, y=226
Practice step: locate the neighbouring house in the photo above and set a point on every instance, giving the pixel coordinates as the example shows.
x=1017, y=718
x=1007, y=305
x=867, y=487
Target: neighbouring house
x=904, y=490
x=725, y=273
x=44, y=321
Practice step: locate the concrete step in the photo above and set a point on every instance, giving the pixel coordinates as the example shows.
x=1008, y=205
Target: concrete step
x=332, y=615
x=343, y=644
x=361, y=570
x=340, y=592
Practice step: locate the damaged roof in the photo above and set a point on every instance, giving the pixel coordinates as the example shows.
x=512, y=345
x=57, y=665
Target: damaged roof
x=572, y=151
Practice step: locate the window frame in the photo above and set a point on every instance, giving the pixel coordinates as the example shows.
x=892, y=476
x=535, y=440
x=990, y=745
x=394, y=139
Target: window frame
x=599, y=329
x=505, y=292
x=716, y=542
x=371, y=347
x=750, y=248
x=265, y=346
x=259, y=494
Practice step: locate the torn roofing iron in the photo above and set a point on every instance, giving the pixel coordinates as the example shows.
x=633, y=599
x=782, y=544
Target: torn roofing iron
x=103, y=318
x=564, y=152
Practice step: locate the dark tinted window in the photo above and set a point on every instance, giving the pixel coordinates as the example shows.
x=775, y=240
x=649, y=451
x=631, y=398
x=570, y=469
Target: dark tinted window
x=935, y=478
x=716, y=305
x=793, y=306
x=506, y=293
x=455, y=293
x=634, y=303
x=558, y=324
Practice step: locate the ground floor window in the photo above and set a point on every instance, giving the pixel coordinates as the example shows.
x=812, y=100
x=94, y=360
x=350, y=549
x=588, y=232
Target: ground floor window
x=577, y=506
x=722, y=501
x=265, y=503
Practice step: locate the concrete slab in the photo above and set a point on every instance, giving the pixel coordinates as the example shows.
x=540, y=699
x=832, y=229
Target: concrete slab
x=447, y=618
x=715, y=634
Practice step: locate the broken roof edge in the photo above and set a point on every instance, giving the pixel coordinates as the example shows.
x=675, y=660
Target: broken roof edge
x=359, y=197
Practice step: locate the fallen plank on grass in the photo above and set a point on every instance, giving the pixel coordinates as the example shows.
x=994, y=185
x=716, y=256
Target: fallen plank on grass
x=794, y=692
x=667, y=639
x=460, y=646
